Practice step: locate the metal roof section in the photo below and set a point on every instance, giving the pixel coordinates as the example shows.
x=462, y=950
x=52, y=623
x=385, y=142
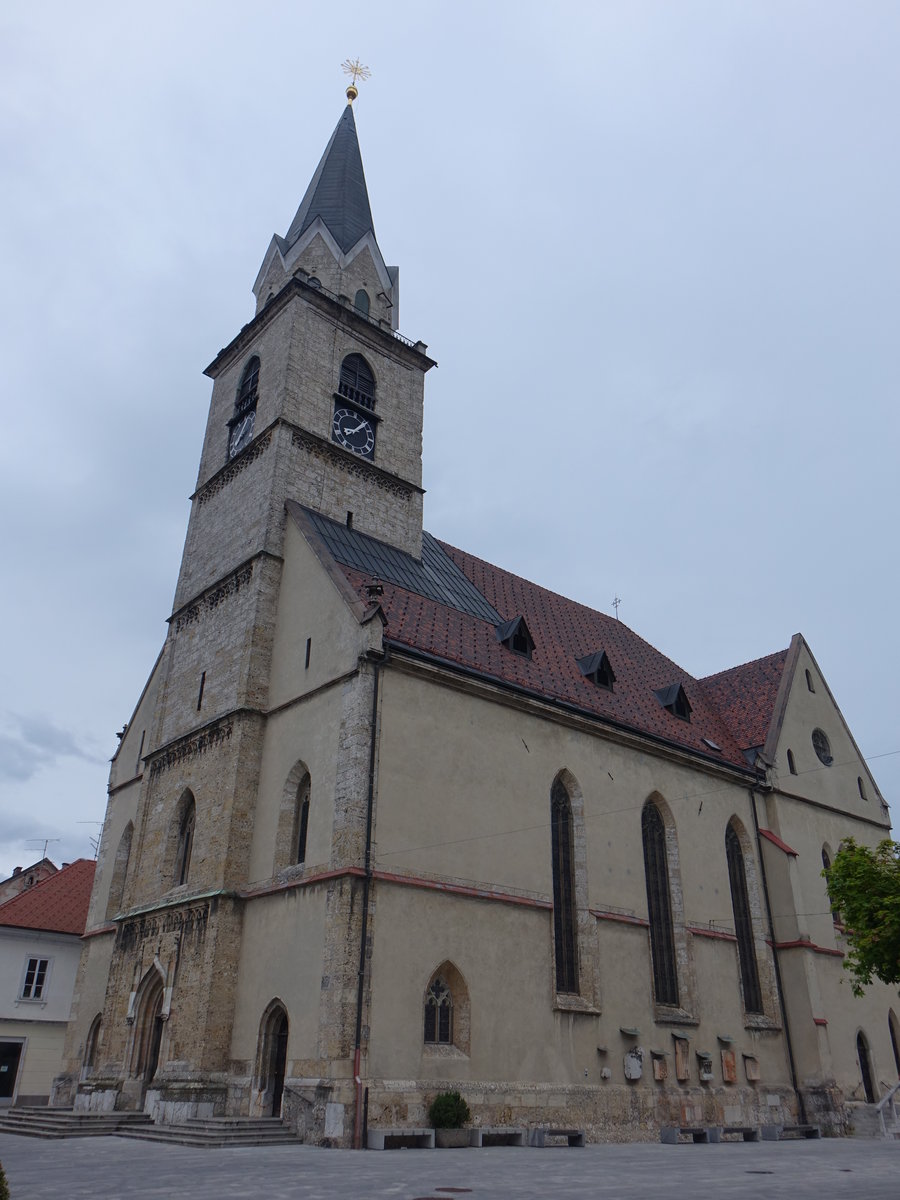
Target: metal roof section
x=337, y=192
x=436, y=576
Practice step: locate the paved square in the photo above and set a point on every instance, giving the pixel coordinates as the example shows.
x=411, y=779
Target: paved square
x=110, y=1168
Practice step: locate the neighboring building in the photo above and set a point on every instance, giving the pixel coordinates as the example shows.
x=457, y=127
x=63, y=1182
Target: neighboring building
x=388, y=819
x=23, y=878
x=40, y=945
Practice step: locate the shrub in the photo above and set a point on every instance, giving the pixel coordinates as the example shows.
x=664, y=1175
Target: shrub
x=448, y=1110
x=4, y=1186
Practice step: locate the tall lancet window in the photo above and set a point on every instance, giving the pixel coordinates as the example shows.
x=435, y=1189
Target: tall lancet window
x=185, y=841
x=564, y=910
x=743, y=926
x=240, y=427
x=659, y=903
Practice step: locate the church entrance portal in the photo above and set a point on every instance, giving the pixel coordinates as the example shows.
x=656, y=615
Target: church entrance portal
x=149, y=1032
x=272, y=1060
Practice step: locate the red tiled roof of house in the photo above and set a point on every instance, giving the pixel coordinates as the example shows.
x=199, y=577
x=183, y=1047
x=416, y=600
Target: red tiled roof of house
x=58, y=904
x=745, y=696
x=563, y=631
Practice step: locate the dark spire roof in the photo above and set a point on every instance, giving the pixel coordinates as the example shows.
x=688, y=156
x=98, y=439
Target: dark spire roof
x=337, y=192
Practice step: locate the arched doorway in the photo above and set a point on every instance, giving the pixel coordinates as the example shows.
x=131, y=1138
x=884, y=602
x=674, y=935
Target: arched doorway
x=865, y=1066
x=148, y=1035
x=272, y=1059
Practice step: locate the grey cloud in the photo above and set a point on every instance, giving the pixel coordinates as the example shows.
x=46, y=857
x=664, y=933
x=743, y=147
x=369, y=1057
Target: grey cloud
x=31, y=742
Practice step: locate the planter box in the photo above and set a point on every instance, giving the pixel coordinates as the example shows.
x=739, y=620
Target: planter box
x=451, y=1139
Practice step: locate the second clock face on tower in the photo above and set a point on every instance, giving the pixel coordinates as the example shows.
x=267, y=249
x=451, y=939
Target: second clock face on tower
x=353, y=431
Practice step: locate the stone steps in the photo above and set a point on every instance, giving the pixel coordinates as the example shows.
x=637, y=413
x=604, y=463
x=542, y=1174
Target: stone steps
x=218, y=1131
x=65, y=1123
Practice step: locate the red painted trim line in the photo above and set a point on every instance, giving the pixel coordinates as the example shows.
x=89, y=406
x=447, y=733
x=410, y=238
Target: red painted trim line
x=459, y=889
x=603, y=914
x=800, y=943
x=98, y=929
x=721, y=934
x=820, y=1020
x=776, y=841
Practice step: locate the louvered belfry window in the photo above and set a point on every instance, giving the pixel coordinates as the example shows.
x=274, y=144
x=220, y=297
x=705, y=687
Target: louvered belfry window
x=659, y=902
x=439, y=1014
x=357, y=383
x=564, y=912
x=743, y=926
x=249, y=388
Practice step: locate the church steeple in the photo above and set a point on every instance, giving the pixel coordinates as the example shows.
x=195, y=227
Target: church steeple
x=337, y=193
x=332, y=236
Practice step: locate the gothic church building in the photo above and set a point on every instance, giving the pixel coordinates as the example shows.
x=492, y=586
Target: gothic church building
x=388, y=819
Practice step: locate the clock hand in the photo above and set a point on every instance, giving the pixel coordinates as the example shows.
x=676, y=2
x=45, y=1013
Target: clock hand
x=360, y=426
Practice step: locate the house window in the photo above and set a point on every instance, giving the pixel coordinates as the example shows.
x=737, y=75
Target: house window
x=185, y=842
x=356, y=382
x=35, y=981
x=564, y=911
x=659, y=903
x=675, y=700
x=514, y=635
x=822, y=747
x=598, y=669
x=439, y=1014
x=743, y=926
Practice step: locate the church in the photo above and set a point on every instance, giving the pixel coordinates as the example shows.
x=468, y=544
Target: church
x=389, y=820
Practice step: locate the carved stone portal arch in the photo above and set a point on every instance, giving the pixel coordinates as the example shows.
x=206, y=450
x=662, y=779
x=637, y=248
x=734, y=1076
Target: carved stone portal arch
x=271, y=1061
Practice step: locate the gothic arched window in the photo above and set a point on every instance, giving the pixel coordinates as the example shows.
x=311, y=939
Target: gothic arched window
x=564, y=910
x=240, y=427
x=659, y=903
x=439, y=1013
x=357, y=383
x=301, y=820
x=361, y=302
x=185, y=841
x=743, y=925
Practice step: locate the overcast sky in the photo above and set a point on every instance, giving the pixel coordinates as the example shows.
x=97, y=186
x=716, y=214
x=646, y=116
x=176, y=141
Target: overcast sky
x=654, y=247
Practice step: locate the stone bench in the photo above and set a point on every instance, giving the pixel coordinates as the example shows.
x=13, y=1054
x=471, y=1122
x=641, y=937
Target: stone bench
x=497, y=1135
x=540, y=1137
x=747, y=1133
x=670, y=1134
x=400, y=1139
x=779, y=1133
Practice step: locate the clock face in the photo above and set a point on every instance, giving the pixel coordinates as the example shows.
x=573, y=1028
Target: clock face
x=241, y=433
x=353, y=431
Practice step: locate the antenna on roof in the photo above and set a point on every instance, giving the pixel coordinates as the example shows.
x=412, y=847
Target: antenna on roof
x=616, y=602
x=46, y=842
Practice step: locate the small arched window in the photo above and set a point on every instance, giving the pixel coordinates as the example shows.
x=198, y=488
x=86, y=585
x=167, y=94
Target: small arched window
x=894, y=1030
x=361, y=302
x=439, y=1014
x=357, y=383
x=743, y=925
x=659, y=904
x=564, y=910
x=862, y=788
x=809, y=681
x=792, y=766
x=185, y=841
x=302, y=820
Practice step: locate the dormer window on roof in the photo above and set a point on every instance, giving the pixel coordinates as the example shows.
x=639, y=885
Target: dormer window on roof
x=674, y=699
x=514, y=636
x=597, y=668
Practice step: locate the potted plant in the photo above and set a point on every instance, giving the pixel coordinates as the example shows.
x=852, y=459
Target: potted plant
x=448, y=1113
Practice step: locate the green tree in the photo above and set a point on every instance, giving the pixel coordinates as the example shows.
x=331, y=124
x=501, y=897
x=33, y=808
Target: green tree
x=864, y=885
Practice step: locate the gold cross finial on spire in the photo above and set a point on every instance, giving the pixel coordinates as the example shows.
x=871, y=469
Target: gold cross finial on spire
x=356, y=71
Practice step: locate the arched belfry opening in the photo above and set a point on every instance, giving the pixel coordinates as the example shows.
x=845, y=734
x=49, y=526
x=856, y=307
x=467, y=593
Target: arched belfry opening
x=271, y=1060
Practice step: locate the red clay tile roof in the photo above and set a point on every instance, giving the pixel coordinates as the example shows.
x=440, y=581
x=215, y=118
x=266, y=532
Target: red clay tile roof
x=745, y=697
x=58, y=904
x=563, y=631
